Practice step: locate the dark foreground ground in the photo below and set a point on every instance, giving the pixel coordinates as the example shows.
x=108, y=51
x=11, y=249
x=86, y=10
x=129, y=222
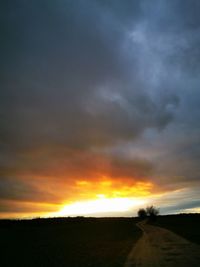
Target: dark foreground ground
x=80, y=242
x=77, y=242
x=186, y=225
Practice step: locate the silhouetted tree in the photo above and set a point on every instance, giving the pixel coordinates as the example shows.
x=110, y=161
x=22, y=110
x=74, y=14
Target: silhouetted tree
x=152, y=212
x=142, y=213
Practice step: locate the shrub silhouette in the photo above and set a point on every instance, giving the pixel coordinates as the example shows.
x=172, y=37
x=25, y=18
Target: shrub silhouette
x=142, y=213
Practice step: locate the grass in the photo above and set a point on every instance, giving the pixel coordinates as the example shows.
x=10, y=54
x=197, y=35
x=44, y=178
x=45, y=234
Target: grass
x=186, y=225
x=70, y=242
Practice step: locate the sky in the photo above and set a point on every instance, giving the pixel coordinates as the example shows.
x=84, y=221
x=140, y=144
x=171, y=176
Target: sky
x=99, y=107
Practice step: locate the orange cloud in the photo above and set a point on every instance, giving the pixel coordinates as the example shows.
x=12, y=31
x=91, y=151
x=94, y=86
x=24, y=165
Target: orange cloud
x=66, y=176
x=111, y=188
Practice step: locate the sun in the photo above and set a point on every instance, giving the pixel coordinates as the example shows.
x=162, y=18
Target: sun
x=100, y=205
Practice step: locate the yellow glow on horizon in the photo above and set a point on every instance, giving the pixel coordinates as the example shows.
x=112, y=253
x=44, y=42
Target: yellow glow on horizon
x=121, y=188
x=100, y=205
x=106, y=196
x=102, y=195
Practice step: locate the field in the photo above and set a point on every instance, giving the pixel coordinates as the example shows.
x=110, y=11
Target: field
x=186, y=225
x=80, y=242
x=70, y=242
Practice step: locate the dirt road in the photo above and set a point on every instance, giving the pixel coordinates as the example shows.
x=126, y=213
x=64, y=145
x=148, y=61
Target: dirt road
x=159, y=247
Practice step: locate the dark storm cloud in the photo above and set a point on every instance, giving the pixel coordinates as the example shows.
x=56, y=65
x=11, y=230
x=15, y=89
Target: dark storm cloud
x=70, y=81
x=90, y=75
x=168, y=43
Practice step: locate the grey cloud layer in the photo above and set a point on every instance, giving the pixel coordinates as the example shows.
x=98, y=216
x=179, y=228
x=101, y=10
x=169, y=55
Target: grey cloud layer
x=71, y=81
x=92, y=74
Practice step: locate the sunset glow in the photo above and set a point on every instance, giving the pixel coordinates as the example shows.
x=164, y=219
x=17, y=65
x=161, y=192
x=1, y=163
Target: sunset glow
x=99, y=107
x=106, y=196
x=101, y=205
x=110, y=188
